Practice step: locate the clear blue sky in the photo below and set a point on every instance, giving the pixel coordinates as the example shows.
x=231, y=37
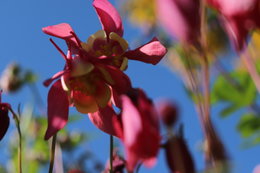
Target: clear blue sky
x=22, y=41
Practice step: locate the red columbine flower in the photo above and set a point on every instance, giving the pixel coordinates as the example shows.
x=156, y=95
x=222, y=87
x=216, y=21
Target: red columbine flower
x=181, y=18
x=239, y=18
x=93, y=70
x=140, y=129
x=4, y=119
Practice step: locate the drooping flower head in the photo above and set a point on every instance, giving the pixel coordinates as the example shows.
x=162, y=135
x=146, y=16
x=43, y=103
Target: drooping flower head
x=93, y=69
x=181, y=18
x=4, y=119
x=140, y=129
x=118, y=163
x=239, y=18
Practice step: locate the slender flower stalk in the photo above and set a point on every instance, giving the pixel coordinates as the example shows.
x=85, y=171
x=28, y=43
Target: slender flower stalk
x=111, y=153
x=53, y=145
x=17, y=124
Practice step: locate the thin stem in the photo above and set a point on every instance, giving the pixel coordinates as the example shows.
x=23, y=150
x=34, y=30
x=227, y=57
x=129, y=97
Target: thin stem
x=53, y=144
x=17, y=124
x=59, y=49
x=138, y=167
x=206, y=87
x=196, y=91
x=111, y=154
x=205, y=65
x=251, y=68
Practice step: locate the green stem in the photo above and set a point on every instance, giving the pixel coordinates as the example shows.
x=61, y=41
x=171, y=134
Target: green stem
x=17, y=124
x=53, y=144
x=206, y=87
x=111, y=154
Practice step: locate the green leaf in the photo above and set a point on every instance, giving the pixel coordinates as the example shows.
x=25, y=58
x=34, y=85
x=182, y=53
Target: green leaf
x=238, y=90
x=229, y=110
x=249, y=125
x=30, y=77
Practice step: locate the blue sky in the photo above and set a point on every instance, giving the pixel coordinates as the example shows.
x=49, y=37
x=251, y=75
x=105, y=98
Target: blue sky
x=23, y=41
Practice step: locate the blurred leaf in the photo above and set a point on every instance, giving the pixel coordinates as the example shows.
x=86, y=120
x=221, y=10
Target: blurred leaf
x=229, y=110
x=238, y=93
x=248, y=125
x=32, y=167
x=30, y=77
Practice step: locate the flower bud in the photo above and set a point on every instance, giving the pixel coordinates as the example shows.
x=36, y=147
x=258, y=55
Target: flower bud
x=178, y=156
x=168, y=112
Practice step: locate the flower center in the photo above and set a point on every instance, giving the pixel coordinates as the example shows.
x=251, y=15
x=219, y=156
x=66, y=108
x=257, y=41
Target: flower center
x=108, y=48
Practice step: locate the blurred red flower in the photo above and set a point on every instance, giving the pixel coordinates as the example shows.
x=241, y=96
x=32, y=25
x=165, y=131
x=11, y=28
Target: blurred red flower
x=140, y=129
x=239, y=18
x=181, y=18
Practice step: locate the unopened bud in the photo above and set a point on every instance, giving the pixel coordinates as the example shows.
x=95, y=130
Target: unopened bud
x=178, y=156
x=169, y=113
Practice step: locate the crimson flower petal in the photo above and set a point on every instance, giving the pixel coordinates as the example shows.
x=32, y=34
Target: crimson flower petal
x=109, y=17
x=140, y=127
x=132, y=122
x=58, y=109
x=104, y=120
x=181, y=18
x=4, y=120
x=62, y=31
x=152, y=52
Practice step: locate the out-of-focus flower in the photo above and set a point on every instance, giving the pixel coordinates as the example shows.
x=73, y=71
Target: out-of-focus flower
x=140, y=126
x=11, y=80
x=178, y=156
x=257, y=169
x=14, y=77
x=75, y=171
x=181, y=18
x=118, y=164
x=168, y=112
x=4, y=119
x=93, y=70
x=141, y=12
x=239, y=18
